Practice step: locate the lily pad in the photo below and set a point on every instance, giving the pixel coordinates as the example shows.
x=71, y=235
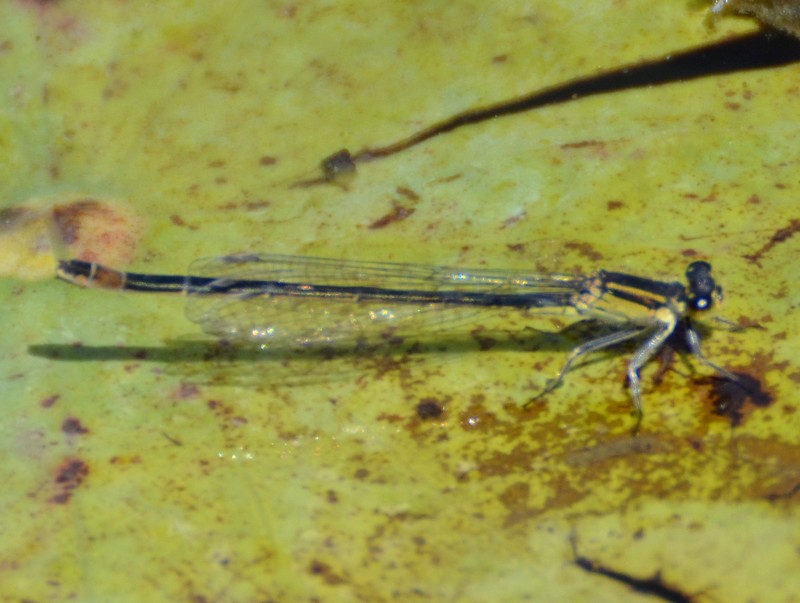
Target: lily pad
x=143, y=462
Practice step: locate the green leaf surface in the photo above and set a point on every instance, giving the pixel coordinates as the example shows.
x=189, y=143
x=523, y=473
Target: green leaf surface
x=144, y=463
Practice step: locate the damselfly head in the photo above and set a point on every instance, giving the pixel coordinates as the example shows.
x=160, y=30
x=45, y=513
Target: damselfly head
x=703, y=291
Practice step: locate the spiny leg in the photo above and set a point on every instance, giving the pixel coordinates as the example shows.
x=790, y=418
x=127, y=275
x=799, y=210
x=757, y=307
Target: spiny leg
x=693, y=339
x=642, y=355
x=583, y=349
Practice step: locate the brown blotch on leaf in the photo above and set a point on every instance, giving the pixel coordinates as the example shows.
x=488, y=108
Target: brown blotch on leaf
x=49, y=401
x=735, y=399
x=398, y=214
x=73, y=426
x=69, y=475
x=69, y=217
x=318, y=568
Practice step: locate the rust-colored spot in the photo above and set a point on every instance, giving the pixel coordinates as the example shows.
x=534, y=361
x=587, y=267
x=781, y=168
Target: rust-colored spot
x=246, y=205
x=711, y=197
x=398, y=214
x=288, y=436
x=255, y=204
x=267, y=160
x=49, y=401
x=446, y=179
x=750, y=322
x=583, y=144
x=476, y=417
x=516, y=247
x=318, y=568
x=73, y=426
x=331, y=496
x=614, y=204
x=515, y=499
x=390, y=417
x=585, y=250
x=407, y=193
x=186, y=391
x=229, y=419
x=510, y=221
x=97, y=230
x=69, y=475
x=72, y=471
x=125, y=460
x=68, y=218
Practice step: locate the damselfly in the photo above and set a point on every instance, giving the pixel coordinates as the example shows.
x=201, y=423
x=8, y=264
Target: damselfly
x=280, y=299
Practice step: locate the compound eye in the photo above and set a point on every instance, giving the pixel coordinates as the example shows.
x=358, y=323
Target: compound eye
x=701, y=303
x=706, y=301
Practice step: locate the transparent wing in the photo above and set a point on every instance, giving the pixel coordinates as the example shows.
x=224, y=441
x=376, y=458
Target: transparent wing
x=274, y=319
